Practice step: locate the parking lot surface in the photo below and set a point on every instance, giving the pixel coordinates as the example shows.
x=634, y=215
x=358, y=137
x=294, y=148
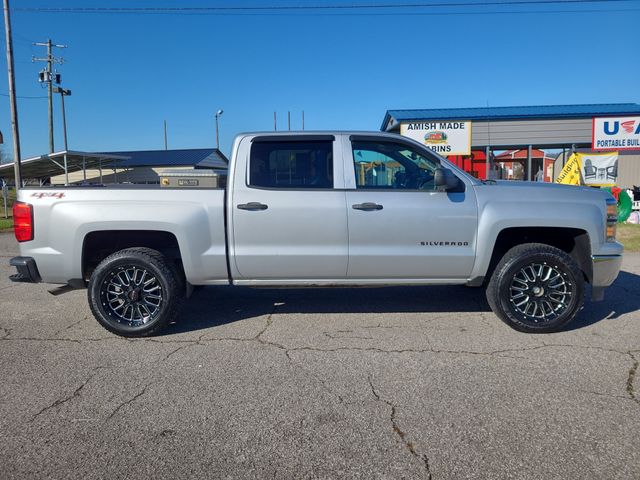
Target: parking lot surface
x=420, y=382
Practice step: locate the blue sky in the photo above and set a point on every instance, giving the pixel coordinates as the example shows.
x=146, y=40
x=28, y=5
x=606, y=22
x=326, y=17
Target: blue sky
x=128, y=73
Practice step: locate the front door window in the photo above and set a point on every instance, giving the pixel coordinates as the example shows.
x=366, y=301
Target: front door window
x=387, y=165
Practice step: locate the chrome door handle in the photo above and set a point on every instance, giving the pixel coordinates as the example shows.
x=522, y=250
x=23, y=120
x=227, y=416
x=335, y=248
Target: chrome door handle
x=253, y=206
x=367, y=206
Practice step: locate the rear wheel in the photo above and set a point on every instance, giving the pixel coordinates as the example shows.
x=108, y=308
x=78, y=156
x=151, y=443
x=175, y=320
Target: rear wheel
x=536, y=288
x=135, y=292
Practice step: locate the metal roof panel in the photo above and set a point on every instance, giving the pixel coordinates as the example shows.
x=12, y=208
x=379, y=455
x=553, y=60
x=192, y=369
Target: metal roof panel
x=194, y=157
x=513, y=113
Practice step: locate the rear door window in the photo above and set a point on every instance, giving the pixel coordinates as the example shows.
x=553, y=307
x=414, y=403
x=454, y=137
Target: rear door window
x=291, y=164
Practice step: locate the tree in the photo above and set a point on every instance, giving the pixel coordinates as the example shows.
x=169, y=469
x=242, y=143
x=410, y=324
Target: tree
x=4, y=158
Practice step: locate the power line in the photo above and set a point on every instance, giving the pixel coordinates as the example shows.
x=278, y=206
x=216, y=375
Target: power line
x=19, y=96
x=366, y=14
x=293, y=8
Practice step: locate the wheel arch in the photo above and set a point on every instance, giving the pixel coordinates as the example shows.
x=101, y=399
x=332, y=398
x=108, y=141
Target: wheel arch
x=99, y=244
x=574, y=241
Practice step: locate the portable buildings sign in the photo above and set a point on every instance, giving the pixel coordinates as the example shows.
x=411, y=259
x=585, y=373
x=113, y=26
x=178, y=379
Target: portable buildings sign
x=616, y=133
x=443, y=137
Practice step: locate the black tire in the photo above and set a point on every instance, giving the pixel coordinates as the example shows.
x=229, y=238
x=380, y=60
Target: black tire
x=536, y=288
x=135, y=292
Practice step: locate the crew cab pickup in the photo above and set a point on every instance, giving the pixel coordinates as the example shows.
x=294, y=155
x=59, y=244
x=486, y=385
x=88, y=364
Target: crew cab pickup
x=322, y=209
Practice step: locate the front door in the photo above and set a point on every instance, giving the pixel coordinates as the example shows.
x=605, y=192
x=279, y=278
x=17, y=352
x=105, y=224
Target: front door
x=400, y=225
x=288, y=220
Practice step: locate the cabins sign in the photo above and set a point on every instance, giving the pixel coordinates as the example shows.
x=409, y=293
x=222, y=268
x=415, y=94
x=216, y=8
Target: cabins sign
x=443, y=137
x=616, y=133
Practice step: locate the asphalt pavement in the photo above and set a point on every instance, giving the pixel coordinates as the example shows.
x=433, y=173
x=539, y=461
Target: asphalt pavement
x=416, y=382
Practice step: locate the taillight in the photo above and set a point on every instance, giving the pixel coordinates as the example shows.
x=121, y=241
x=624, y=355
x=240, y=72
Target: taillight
x=23, y=221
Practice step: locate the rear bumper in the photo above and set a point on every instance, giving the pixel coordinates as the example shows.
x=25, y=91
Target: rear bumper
x=27, y=270
x=605, y=271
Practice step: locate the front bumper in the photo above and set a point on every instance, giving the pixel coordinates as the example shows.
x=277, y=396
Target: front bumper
x=605, y=271
x=27, y=270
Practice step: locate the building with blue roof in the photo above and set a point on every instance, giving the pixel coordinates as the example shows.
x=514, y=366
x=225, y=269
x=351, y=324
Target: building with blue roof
x=461, y=133
x=393, y=118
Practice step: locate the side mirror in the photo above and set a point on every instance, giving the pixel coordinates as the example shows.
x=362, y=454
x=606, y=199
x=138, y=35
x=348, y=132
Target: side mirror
x=445, y=179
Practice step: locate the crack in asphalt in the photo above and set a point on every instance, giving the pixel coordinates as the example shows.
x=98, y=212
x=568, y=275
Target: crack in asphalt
x=66, y=399
x=128, y=402
x=335, y=335
x=38, y=339
x=202, y=341
x=630, y=379
x=176, y=350
x=268, y=323
x=424, y=459
x=600, y=394
x=258, y=338
x=383, y=327
x=68, y=327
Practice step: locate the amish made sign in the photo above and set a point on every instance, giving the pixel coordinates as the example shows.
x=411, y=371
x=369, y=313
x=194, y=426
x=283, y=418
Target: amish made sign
x=443, y=137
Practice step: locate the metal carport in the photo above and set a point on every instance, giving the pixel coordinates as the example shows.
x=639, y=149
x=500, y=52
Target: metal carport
x=44, y=167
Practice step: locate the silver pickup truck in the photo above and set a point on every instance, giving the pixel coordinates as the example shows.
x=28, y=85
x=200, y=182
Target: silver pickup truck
x=322, y=209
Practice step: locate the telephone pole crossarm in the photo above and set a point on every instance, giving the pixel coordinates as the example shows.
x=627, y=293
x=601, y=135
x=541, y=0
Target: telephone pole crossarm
x=48, y=77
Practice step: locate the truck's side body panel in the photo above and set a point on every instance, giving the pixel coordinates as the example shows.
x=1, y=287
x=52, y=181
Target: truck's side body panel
x=194, y=217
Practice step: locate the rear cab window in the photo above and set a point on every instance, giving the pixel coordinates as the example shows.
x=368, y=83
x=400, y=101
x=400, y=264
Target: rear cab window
x=291, y=164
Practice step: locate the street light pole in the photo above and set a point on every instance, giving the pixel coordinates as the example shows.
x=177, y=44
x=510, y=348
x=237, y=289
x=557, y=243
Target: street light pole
x=63, y=93
x=217, y=115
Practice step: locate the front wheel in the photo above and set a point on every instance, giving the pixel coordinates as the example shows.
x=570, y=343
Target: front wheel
x=135, y=292
x=536, y=288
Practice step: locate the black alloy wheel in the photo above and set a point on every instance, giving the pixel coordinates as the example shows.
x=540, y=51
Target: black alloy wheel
x=135, y=292
x=536, y=288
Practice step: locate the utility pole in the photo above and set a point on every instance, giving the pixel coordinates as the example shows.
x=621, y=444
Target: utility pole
x=12, y=98
x=46, y=76
x=165, y=135
x=275, y=123
x=289, y=120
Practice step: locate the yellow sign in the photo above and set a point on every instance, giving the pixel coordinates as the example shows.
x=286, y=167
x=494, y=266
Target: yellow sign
x=570, y=174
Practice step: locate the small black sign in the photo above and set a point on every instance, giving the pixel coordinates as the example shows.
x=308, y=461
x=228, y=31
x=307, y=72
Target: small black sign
x=188, y=182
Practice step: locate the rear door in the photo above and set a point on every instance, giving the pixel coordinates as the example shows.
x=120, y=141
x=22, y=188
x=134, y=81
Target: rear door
x=289, y=220
x=400, y=225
